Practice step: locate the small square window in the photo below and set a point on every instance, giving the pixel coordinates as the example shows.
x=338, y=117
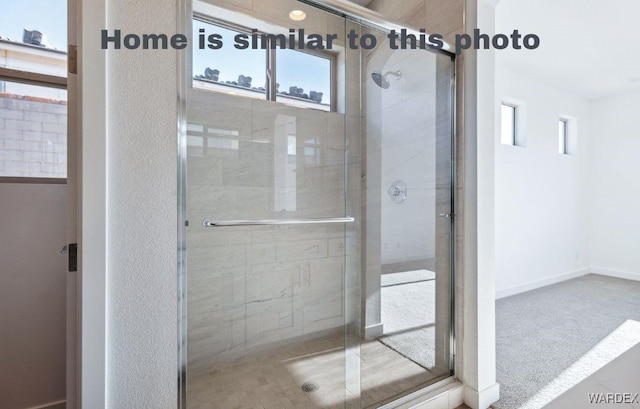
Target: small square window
x=304, y=78
x=508, y=125
x=238, y=72
x=563, y=137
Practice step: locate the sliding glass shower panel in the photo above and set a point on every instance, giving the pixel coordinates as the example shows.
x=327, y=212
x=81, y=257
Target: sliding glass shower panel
x=319, y=209
x=267, y=236
x=408, y=202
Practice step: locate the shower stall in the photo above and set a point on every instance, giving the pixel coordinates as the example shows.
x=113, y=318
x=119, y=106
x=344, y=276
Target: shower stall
x=316, y=211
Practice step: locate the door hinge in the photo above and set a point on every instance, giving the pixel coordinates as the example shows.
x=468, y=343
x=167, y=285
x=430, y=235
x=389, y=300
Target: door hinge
x=73, y=257
x=72, y=58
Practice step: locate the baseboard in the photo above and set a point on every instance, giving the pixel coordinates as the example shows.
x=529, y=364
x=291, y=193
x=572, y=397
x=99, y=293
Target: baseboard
x=482, y=399
x=60, y=404
x=446, y=394
x=541, y=283
x=373, y=331
x=617, y=274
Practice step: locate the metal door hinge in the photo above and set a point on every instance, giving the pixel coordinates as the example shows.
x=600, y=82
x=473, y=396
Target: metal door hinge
x=73, y=257
x=72, y=58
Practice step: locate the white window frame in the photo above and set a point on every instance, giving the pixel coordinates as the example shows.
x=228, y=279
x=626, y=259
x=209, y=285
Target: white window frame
x=570, y=135
x=514, y=124
x=519, y=122
x=41, y=80
x=563, y=136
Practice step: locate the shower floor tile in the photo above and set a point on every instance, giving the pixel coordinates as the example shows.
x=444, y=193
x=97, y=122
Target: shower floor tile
x=274, y=379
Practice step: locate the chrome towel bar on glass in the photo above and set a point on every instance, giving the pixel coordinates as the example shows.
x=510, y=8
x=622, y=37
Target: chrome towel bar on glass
x=231, y=223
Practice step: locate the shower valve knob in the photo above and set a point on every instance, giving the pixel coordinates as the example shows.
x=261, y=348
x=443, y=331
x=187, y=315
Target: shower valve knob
x=394, y=191
x=398, y=191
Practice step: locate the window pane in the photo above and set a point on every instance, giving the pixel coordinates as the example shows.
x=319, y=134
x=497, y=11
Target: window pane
x=228, y=69
x=33, y=36
x=508, y=133
x=33, y=131
x=303, y=78
x=562, y=137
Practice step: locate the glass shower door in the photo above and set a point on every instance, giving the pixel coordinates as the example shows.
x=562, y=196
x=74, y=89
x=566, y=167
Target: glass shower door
x=319, y=197
x=407, y=276
x=268, y=224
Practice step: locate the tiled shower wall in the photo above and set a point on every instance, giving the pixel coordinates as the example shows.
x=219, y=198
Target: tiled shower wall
x=253, y=286
x=401, y=126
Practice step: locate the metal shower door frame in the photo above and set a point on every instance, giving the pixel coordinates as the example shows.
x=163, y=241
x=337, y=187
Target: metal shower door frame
x=365, y=18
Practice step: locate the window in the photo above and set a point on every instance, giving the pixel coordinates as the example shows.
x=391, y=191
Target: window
x=508, y=121
x=309, y=85
x=33, y=132
x=567, y=135
x=563, y=137
x=33, y=96
x=241, y=72
x=303, y=79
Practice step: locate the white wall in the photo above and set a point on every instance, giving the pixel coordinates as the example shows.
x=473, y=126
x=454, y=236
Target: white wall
x=33, y=294
x=142, y=212
x=542, y=200
x=129, y=210
x=614, y=186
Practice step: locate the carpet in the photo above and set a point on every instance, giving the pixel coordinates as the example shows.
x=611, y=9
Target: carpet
x=406, y=277
x=618, y=376
x=550, y=339
x=408, y=315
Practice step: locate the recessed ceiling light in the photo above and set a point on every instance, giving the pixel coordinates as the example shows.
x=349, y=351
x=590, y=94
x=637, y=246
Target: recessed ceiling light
x=297, y=15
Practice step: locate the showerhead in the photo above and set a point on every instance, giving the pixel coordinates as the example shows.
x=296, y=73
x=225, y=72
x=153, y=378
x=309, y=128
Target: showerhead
x=382, y=80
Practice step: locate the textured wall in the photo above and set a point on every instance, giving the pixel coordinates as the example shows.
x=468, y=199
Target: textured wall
x=142, y=212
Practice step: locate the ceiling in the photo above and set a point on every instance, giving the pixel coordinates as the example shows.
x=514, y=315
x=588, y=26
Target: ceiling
x=588, y=47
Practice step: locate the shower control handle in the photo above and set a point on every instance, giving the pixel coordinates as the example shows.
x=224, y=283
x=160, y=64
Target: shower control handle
x=397, y=192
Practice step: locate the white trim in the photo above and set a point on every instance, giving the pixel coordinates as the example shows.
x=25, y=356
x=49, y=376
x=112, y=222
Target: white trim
x=456, y=396
x=92, y=169
x=482, y=399
x=618, y=274
x=373, y=331
x=540, y=283
x=439, y=395
x=477, y=366
x=49, y=405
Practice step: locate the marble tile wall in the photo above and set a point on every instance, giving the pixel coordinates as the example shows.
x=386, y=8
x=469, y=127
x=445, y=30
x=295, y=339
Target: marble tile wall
x=253, y=286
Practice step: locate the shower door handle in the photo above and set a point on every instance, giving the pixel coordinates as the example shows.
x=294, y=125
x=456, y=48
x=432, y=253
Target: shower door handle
x=446, y=215
x=232, y=223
